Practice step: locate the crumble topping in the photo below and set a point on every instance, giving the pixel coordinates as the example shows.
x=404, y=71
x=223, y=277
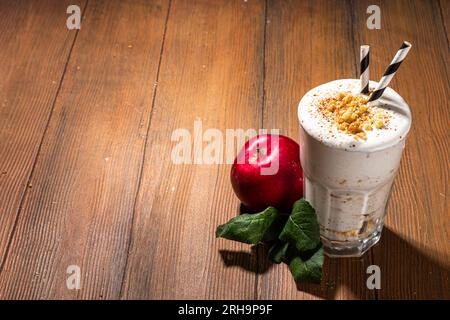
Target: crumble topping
x=351, y=114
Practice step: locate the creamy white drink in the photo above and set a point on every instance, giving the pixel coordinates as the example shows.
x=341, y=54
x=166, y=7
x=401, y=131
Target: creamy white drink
x=349, y=165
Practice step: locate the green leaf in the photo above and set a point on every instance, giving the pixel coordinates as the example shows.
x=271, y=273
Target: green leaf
x=277, y=253
x=297, y=238
x=275, y=228
x=248, y=228
x=307, y=267
x=302, y=228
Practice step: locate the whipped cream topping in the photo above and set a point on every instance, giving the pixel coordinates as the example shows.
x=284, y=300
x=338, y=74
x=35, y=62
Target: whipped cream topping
x=326, y=131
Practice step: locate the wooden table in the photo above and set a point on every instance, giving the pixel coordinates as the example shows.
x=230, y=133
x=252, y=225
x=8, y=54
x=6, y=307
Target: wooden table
x=87, y=116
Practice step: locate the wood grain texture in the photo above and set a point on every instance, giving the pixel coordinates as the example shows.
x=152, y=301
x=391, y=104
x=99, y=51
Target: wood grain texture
x=414, y=253
x=307, y=43
x=444, y=8
x=93, y=139
x=80, y=206
x=211, y=72
x=32, y=64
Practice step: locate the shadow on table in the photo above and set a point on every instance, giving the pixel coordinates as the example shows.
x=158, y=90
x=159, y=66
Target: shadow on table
x=409, y=272
x=254, y=260
x=406, y=272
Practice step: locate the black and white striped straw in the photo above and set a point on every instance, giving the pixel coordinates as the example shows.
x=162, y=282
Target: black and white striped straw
x=390, y=71
x=364, y=69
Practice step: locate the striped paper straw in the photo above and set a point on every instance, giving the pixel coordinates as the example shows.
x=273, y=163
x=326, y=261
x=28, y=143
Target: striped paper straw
x=390, y=71
x=364, y=69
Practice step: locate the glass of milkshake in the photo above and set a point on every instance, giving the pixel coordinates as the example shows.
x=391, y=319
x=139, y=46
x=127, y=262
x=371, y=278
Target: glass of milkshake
x=350, y=152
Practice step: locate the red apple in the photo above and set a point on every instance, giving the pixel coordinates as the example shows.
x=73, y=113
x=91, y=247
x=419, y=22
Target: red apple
x=267, y=172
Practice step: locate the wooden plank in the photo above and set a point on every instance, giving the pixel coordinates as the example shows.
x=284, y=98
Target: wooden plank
x=211, y=71
x=79, y=209
x=414, y=253
x=444, y=8
x=32, y=64
x=308, y=43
